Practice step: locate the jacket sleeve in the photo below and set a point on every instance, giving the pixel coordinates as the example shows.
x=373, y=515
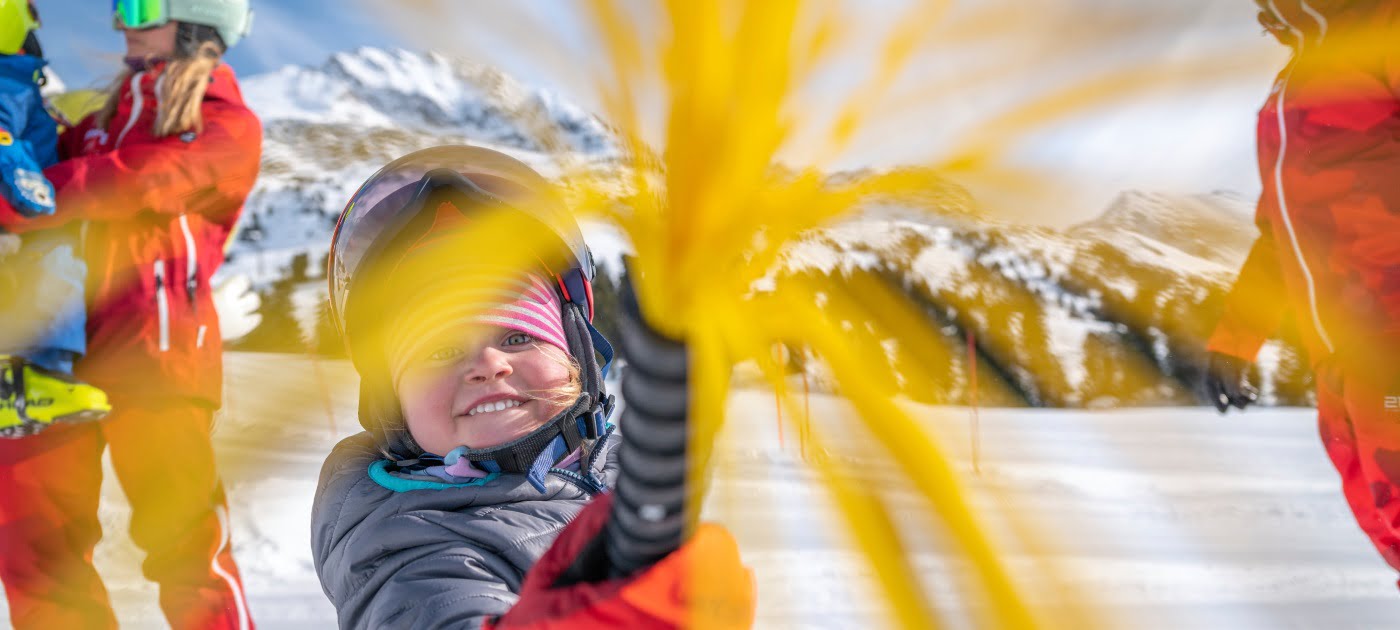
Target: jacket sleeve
x=1254, y=307
x=70, y=140
x=385, y=569
x=175, y=174
x=15, y=108
x=27, y=146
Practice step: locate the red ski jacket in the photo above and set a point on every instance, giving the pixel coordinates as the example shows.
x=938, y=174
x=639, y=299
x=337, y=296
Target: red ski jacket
x=1329, y=158
x=159, y=213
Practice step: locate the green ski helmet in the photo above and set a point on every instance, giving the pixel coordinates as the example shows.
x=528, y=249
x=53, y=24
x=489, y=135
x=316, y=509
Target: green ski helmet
x=231, y=19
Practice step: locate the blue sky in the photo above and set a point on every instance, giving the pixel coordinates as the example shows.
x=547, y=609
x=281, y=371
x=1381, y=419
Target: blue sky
x=82, y=47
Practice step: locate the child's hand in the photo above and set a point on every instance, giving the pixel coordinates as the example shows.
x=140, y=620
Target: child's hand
x=1226, y=382
x=702, y=584
x=22, y=183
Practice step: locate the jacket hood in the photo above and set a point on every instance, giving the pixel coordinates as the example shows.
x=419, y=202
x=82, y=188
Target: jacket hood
x=21, y=65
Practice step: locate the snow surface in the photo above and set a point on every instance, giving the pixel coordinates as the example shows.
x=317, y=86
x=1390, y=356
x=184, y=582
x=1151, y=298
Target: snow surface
x=1164, y=518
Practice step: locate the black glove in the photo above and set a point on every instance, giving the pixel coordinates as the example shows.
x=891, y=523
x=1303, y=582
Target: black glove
x=1225, y=382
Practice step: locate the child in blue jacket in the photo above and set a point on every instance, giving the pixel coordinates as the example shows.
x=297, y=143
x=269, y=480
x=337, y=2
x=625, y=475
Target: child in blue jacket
x=42, y=314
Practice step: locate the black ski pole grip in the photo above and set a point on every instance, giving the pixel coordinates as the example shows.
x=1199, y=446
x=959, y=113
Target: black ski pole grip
x=647, y=521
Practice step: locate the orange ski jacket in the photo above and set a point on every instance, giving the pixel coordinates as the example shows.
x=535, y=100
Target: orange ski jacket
x=1329, y=159
x=160, y=211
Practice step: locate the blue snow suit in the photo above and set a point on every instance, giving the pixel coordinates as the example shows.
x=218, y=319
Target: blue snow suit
x=41, y=287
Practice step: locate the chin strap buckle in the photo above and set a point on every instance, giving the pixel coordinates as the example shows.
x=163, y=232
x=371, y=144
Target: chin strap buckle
x=601, y=415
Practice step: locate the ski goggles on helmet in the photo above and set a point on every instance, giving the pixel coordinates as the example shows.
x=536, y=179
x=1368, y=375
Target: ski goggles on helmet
x=139, y=14
x=397, y=206
x=17, y=19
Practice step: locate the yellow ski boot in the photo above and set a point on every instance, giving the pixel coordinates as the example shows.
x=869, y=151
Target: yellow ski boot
x=32, y=398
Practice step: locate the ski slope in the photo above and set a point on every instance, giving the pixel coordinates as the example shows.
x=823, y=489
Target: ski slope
x=1164, y=518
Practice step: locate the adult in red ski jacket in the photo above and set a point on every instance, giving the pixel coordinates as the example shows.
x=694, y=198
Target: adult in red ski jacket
x=1329, y=245
x=159, y=177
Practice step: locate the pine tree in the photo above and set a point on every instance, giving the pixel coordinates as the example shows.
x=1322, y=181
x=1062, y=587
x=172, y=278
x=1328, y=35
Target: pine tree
x=279, y=331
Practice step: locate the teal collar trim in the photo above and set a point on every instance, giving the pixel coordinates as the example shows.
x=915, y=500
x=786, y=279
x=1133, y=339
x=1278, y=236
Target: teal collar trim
x=378, y=471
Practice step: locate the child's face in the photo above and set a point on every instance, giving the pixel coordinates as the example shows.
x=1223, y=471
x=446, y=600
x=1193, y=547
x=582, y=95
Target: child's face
x=483, y=389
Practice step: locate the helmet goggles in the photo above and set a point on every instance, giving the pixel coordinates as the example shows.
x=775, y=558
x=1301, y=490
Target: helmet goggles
x=397, y=208
x=140, y=14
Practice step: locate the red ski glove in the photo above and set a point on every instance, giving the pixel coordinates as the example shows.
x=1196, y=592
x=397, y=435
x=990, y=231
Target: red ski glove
x=703, y=584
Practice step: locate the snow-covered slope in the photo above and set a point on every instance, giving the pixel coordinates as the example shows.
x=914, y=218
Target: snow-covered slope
x=1161, y=518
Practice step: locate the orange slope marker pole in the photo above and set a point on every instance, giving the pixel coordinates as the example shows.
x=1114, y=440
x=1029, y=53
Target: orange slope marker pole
x=976, y=432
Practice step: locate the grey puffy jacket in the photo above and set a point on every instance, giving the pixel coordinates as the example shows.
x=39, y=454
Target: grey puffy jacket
x=440, y=556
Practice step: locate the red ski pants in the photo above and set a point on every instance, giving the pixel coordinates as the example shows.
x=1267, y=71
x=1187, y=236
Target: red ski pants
x=1358, y=408
x=49, y=485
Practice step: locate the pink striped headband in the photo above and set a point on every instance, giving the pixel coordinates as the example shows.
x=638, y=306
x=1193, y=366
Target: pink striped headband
x=526, y=304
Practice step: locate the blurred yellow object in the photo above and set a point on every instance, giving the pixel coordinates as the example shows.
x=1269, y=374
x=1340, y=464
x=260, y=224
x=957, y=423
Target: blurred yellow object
x=730, y=75
x=75, y=105
x=744, y=165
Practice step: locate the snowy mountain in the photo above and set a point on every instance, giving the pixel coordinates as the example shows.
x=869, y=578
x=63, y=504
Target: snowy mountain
x=371, y=89
x=1213, y=226
x=1110, y=312
x=329, y=128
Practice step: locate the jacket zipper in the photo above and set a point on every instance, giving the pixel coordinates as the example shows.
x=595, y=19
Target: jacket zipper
x=138, y=103
x=1278, y=175
x=191, y=259
x=162, y=306
x=593, y=457
x=587, y=484
x=583, y=484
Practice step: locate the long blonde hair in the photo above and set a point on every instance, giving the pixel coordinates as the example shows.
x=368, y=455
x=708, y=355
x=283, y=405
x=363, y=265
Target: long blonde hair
x=567, y=393
x=182, y=89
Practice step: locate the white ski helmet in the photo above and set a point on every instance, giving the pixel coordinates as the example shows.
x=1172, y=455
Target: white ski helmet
x=231, y=19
